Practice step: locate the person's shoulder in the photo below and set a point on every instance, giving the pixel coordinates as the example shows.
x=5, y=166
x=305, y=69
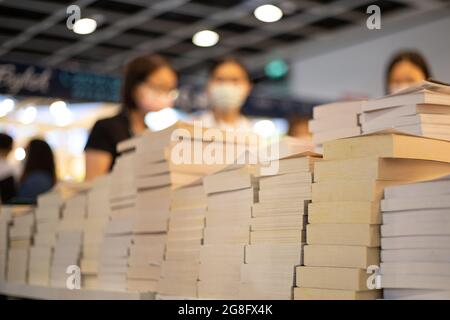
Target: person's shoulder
x=6, y=169
x=110, y=122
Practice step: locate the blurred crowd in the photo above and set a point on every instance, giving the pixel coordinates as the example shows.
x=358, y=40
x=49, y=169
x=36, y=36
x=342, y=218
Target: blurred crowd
x=150, y=85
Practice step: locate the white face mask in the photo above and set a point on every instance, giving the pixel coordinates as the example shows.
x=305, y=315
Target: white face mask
x=227, y=96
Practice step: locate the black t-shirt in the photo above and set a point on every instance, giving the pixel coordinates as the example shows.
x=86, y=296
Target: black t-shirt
x=7, y=189
x=107, y=133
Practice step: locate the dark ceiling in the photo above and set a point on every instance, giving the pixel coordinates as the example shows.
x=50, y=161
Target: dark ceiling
x=34, y=31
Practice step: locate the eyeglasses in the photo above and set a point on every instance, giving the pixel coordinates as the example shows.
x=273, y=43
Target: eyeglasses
x=172, y=94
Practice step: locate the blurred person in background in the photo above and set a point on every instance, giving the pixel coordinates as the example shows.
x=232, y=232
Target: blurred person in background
x=405, y=69
x=149, y=85
x=39, y=174
x=299, y=127
x=7, y=170
x=227, y=90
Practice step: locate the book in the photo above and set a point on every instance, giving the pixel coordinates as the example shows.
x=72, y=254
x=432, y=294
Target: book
x=330, y=294
x=404, y=110
x=409, y=120
x=341, y=256
x=344, y=234
x=331, y=109
x=181, y=264
x=388, y=145
x=416, y=242
x=384, y=169
x=347, y=212
x=332, y=278
x=227, y=230
x=420, y=94
x=416, y=294
x=278, y=231
x=20, y=224
x=415, y=253
x=288, y=253
x=335, y=120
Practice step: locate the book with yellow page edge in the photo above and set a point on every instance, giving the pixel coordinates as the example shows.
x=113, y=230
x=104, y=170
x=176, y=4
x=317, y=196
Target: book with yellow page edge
x=351, y=179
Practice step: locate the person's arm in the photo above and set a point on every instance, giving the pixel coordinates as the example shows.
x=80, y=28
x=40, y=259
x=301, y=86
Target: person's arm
x=99, y=150
x=97, y=163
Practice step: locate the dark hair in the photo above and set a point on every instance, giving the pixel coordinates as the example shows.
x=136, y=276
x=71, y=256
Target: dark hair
x=6, y=142
x=39, y=157
x=216, y=64
x=137, y=71
x=411, y=56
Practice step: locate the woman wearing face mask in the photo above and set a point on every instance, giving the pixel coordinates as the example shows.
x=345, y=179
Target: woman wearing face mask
x=149, y=85
x=227, y=89
x=406, y=69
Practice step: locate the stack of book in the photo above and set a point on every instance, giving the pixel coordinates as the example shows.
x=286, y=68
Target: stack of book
x=415, y=243
x=68, y=239
x=230, y=196
x=179, y=273
x=98, y=212
x=115, y=245
x=335, y=120
x=277, y=230
x=153, y=181
x=5, y=222
x=20, y=241
x=48, y=215
x=343, y=236
x=423, y=109
x=168, y=160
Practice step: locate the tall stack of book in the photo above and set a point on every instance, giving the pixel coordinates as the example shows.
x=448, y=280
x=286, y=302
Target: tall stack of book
x=415, y=243
x=115, y=245
x=277, y=230
x=230, y=196
x=169, y=160
x=152, y=178
x=48, y=215
x=334, y=121
x=423, y=109
x=5, y=222
x=343, y=236
x=98, y=212
x=20, y=241
x=68, y=239
x=179, y=273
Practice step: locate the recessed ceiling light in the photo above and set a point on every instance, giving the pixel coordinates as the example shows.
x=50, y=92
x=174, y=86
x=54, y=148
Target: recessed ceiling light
x=268, y=13
x=85, y=26
x=205, y=38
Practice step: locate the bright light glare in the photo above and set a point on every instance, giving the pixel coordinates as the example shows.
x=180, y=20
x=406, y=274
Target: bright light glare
x=6, y=106
x=85, y=26
x=162, y=119
x=205, y=38
x=268, y=13
x=265, y=128
x=27, y=115
x=20, y=154
x=61, y=113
